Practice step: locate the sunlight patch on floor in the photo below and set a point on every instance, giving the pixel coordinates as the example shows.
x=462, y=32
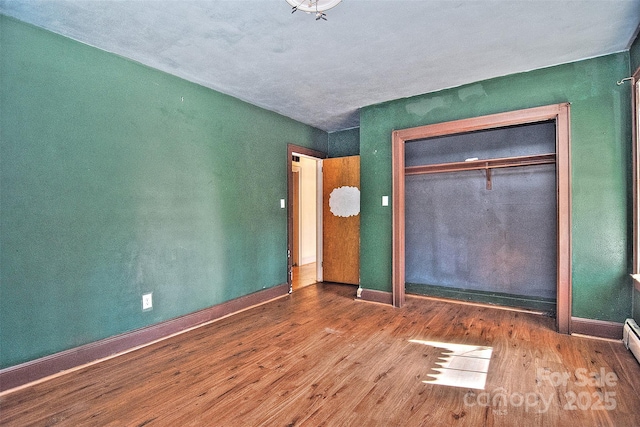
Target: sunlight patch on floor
x=460, y=365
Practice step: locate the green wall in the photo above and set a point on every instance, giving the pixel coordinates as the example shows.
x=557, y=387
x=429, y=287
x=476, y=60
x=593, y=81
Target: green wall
x=634, y=54
x=118, y=180
x=344, y=143
x=600, y=131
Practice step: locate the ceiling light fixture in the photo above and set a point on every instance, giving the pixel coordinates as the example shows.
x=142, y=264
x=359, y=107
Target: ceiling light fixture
x=313, y=6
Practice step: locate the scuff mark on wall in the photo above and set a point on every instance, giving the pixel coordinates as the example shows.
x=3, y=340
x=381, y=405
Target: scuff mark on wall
x=425, y=106
x=471, y=91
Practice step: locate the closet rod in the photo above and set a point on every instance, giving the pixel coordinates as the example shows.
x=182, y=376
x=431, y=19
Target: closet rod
x=504, y=162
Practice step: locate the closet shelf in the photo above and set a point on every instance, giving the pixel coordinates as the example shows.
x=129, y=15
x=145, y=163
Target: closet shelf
x=486, y=164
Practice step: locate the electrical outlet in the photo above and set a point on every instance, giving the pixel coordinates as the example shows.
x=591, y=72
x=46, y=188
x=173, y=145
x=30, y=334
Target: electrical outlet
x=147, y=301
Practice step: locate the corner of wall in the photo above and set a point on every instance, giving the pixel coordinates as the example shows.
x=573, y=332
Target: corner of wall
x=344, y=143
x=634, y=51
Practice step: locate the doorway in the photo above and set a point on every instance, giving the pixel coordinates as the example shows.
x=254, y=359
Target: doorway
x=559, y=114
x=304, y=216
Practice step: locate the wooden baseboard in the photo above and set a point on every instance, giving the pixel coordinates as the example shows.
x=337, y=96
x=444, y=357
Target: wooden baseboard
x=38, y=369
x=597, y=328
x=591, y=327
x=372, y=295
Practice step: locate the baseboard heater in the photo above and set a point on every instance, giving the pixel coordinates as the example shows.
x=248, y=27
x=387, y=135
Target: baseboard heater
x=631, y=337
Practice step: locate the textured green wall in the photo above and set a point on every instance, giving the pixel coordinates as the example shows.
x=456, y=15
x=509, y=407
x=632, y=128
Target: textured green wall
x=119, y=180
x=600, y=127
x=344, y=143
x=634, y=54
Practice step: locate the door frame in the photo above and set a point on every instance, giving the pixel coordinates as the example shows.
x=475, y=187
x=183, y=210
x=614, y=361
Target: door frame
x=560, y=114
x=295, y=214
x=319, y=155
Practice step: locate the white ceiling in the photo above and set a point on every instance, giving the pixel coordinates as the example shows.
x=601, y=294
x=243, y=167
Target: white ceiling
x=322, y=72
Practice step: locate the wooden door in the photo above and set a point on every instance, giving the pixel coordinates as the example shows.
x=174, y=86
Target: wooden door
x=341, y=220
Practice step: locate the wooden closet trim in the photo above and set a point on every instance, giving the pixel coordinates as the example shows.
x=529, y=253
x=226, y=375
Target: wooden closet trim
x=560, y=114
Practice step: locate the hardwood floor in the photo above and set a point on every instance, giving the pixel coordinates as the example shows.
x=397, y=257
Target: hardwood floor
x=303, y=275
x=319, y=357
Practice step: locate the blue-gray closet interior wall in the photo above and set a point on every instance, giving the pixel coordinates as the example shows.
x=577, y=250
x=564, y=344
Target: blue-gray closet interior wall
x=495, y=245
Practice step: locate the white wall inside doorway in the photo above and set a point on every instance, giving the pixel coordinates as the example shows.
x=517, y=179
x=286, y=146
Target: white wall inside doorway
x=308, y=210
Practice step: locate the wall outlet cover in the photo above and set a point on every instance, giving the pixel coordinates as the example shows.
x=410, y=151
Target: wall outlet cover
x=147, y=301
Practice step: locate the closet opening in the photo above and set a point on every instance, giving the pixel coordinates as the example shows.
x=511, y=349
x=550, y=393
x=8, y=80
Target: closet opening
x=482, y=211
x=480, y=216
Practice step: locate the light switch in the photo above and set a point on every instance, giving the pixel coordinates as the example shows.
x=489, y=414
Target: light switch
x=282, y=204
x=385, y=200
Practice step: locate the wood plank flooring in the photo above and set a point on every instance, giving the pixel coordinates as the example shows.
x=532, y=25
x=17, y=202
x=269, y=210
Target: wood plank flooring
x=318, y=357
x=303, y=275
